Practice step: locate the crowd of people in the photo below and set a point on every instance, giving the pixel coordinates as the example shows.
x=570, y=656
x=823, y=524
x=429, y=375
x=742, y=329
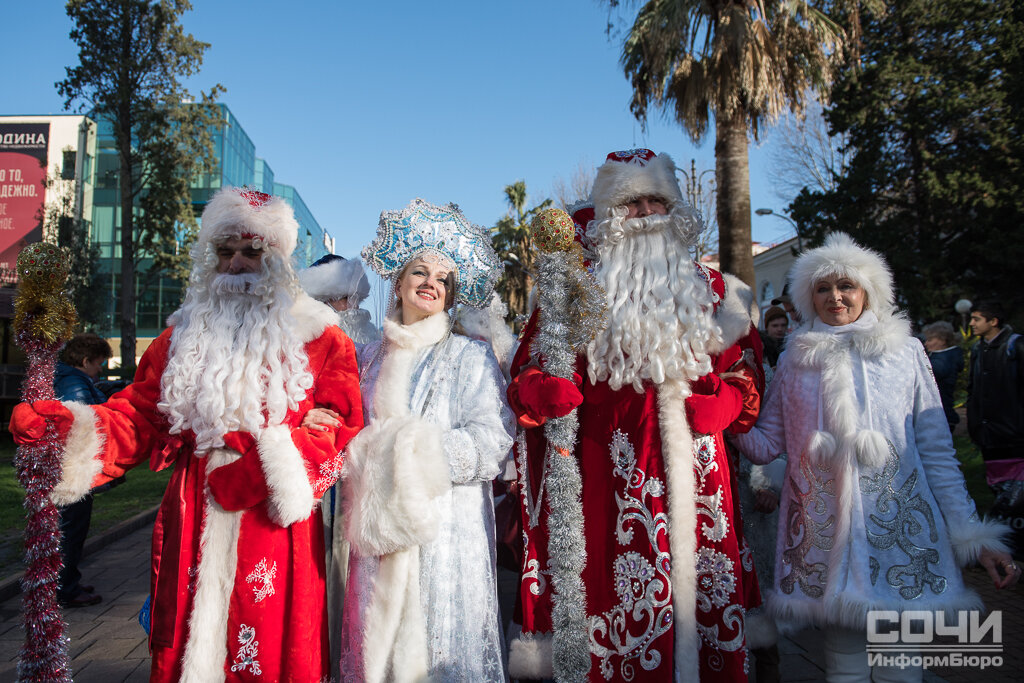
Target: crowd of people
x=331, y=516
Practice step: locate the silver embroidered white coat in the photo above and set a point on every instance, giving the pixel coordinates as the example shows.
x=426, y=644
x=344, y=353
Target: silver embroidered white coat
x=456, y=392
x=874, y=512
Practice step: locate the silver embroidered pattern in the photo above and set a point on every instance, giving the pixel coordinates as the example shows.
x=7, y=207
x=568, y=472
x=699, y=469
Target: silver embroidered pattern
x=248, y=650
x=329, y=472
x=732, y=618
x=711, y=506
x=535, y=575
x=747, y=557
x=263, y=575
x=895, y=516
x=803, y=532
x=875, y=568
x=715, y=578
x=644, y=591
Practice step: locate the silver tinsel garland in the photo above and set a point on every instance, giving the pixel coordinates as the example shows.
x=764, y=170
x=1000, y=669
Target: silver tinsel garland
x=571, y=312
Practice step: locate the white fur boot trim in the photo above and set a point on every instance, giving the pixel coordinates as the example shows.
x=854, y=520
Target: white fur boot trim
x=970, y=537
x=395, y=629
x=394, y=469
x=82, y=458
x=760, y=628
x=677, y=450
x=206, y=649
x=291, y=496
x=529, y=656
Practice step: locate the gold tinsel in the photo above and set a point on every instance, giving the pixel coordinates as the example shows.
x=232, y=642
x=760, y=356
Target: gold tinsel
x=40, y=308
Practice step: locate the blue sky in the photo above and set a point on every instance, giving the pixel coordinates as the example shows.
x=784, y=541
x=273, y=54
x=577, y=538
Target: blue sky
x=364, y=106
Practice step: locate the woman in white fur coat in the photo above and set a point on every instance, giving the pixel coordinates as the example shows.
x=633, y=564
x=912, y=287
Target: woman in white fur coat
x=874, y=514
x=421, y=601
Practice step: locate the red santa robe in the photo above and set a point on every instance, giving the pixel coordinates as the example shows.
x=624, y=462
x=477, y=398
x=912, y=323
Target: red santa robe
x=238, y=559
x=661, y=604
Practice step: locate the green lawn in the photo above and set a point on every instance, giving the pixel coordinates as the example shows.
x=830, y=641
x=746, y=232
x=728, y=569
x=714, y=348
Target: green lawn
x=142, y=490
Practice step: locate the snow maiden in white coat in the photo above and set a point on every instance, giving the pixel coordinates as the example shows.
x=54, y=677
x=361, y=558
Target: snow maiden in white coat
x=874, y=513
x=421, y=602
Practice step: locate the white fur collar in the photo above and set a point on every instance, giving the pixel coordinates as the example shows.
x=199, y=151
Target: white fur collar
x=811, y=348
x=311, y=317
x=737, y=312
x=418, y=335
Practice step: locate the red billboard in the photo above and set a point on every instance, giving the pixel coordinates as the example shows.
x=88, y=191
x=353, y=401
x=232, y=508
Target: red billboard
x=23, y=148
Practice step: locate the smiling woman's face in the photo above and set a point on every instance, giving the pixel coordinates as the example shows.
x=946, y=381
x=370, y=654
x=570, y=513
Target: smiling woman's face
x=838, y=300
x=422, y=290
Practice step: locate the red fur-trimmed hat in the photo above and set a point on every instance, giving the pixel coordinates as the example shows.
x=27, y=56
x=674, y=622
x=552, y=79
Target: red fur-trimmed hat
x=236, y=212
x=631, y=174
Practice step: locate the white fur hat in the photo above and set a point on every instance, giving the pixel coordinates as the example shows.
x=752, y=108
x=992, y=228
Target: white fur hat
x=333, y=277
x=631, y=174
x=840, y=256
x=235, y=212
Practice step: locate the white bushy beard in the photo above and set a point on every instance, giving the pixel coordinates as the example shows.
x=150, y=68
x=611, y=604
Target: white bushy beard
x=235, y=362
x=660, y=313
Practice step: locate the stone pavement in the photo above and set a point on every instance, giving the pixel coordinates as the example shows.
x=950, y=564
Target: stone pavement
x=108, y=645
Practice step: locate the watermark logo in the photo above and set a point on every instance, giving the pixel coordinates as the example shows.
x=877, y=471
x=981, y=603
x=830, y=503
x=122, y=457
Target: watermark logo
x=935, y=639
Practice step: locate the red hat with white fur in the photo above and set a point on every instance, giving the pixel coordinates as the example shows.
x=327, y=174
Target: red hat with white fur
x=634, y=173
x=242, y=212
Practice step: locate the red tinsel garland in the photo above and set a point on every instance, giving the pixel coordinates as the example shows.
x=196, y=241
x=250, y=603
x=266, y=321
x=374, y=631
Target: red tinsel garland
x=44, y=656
x=43, y=321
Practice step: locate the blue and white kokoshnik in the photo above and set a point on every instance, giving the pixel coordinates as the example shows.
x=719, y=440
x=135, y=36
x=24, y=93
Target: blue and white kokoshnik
x=420, y=227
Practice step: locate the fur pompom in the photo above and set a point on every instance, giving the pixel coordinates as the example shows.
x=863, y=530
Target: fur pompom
x=822, y=447
x=393, y=470
x=870, y=447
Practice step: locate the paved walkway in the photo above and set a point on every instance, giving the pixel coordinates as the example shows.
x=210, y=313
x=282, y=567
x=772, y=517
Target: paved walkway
x=108, y=645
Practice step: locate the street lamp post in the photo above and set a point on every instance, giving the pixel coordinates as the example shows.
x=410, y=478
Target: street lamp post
x=796, y=228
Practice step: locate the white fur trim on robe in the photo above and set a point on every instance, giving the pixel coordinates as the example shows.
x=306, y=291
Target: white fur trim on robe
x=206, y=649
x=677, y=447
x=291, y=496
x=81, y=460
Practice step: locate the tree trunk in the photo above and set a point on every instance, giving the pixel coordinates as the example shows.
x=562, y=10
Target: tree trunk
x=123, y=123
x=732, y=177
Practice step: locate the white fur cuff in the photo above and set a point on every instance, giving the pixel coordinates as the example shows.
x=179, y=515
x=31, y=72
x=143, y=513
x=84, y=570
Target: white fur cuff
x=970, y=538
x=394, y=469
x=529, y=656
x=291, y=495
x=82, y=458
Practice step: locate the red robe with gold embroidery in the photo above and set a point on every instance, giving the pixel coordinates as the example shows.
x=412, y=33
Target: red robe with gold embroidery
x=668, y=576
x=238, y=558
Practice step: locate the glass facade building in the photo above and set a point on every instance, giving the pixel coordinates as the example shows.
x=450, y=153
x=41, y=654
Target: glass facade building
x=236, y=165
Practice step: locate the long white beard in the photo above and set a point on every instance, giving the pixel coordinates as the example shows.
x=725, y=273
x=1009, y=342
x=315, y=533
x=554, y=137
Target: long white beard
x=235, y=362
x=660, y=313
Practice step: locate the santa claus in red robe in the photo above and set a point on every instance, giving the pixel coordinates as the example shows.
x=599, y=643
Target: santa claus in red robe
x=667, y=575
x=238, y=555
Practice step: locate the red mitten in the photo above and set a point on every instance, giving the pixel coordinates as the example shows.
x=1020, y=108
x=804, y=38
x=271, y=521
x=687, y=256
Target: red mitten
x=28, y=421
x=241, y=484
x=535, y=396
x=751, y=403
x=710, y=412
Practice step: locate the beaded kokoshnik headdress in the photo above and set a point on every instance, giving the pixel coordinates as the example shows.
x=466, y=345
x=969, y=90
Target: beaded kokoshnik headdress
x=439, y=233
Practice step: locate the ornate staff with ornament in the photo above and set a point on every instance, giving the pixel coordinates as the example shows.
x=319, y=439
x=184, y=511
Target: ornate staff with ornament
x=43, y=320
x=571, y=313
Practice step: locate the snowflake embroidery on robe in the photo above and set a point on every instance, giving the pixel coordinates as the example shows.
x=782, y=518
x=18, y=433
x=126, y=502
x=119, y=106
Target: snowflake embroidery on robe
x=264, y=577
x=245, y=658
x=715, y=579
x=330, y=470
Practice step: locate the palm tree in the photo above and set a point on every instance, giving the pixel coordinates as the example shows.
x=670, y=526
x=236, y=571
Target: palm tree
x=511, y=239
x=739, y=61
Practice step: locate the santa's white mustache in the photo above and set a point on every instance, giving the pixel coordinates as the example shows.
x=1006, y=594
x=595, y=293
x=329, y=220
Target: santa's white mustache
x=225, y=284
